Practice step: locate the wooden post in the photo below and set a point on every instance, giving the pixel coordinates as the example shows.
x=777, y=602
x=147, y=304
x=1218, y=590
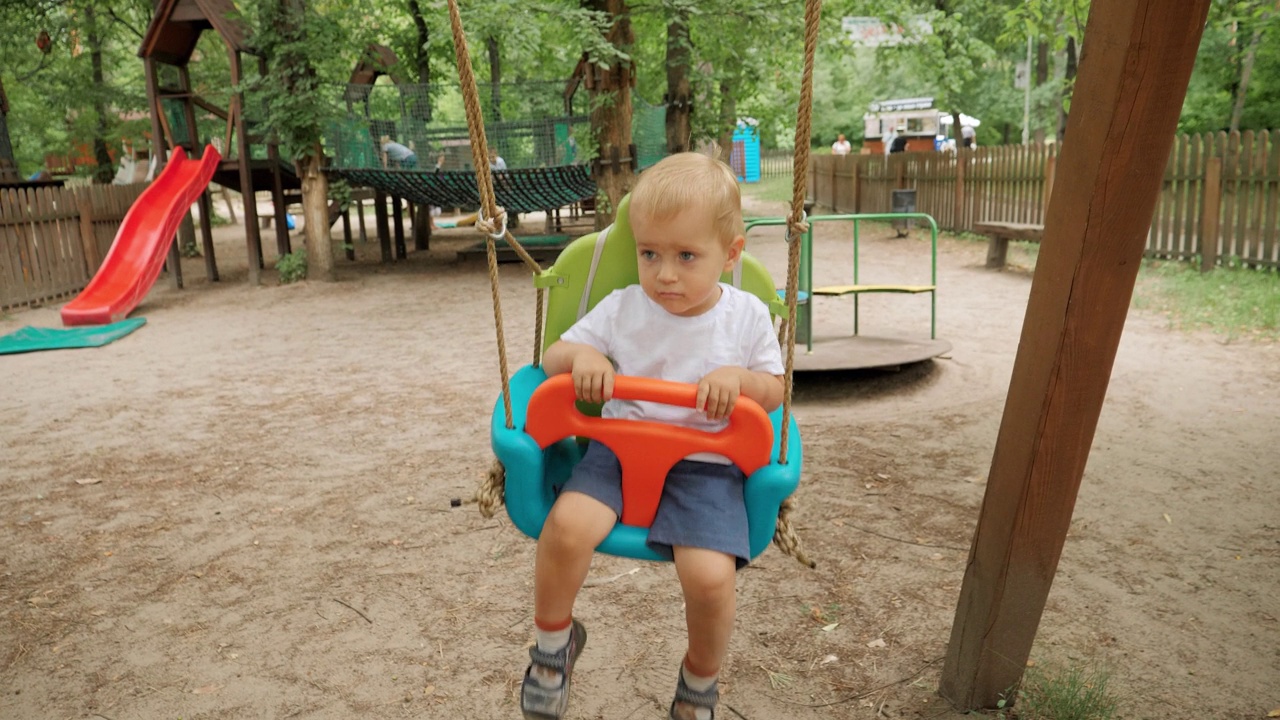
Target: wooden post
x=88, y=241
x=1129, y=93
x=283, y=246
x=244, y=161
x=1050, y=169
x=384, y=230
x=364, y=236
x=831, y=185
x=346, y=234
x=206, y=235
x=962, y=158
x=1212, y=203
x=857, y=184
x=397, y=215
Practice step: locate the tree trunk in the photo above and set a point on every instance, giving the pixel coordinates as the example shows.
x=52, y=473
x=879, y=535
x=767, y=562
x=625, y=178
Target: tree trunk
x=421, y=60
x=679, y=105
x=728, y=117
x=104, y=172
x=1068, y=85
x=495, y=77
x=315, y=187
x=1246, y=71
x=1042, y=77
x=315, y=214
x=611, y=114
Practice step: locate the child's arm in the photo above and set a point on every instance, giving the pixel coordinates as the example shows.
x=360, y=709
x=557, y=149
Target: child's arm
x=718, y=391
x=592, y=372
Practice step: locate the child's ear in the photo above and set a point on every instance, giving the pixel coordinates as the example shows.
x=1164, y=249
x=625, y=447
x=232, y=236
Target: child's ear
x=735, y=251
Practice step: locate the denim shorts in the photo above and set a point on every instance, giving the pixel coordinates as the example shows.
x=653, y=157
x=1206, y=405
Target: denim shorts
x=702, y=503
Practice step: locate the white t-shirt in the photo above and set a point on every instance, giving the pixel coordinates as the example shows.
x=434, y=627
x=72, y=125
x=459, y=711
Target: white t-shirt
x=644, y=340
x=841, y=147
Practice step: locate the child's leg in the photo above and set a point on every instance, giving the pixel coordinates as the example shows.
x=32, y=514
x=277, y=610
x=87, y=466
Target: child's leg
x=708, y=580
x=574, y=527
x=576, y=524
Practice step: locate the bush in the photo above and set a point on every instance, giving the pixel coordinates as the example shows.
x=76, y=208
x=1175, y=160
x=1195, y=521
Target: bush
x=292, y=267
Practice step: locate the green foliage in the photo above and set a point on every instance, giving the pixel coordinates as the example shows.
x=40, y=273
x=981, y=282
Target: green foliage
x=292, y=267
x=294, y=98
x=52, y=96
x=745, y=57
x=1233, y=301
x=1220, y=61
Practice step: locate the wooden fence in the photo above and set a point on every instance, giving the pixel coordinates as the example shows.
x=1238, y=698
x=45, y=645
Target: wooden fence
x=776, y=163
x=52, y=240
x=1222, y=187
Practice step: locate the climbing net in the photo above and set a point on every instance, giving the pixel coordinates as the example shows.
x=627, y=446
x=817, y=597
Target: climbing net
x=529, y=125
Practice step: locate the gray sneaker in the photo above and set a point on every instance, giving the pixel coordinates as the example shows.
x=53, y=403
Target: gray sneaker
x=543, y=703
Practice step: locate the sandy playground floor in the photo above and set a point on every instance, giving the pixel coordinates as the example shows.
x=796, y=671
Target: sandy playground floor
x=242, y=511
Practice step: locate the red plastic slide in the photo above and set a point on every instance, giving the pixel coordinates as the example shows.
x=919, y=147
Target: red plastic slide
x=136, y=256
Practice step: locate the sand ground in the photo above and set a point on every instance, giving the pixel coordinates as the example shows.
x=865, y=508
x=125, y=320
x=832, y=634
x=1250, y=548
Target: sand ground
x=242, y=511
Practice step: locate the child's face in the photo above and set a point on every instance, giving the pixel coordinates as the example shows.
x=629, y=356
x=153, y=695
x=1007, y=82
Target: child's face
x=681, y=260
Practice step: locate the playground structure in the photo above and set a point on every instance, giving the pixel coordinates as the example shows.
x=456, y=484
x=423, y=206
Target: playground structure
x=137, y=255
x=166, y=51
x=534, y=128
x=857, y=351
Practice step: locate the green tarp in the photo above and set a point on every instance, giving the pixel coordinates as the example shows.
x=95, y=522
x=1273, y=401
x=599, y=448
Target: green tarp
x=31, y=339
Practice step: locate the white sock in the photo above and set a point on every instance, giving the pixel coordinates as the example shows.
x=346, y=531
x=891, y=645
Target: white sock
x=551, y=641
x=697, y=683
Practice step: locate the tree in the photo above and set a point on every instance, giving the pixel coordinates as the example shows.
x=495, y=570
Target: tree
x=678, y=61
x=1260, y=16
x=72, y=73
x=297, y=105
x=610, y=79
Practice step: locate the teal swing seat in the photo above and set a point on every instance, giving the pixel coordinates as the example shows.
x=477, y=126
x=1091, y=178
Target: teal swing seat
x=586, y=271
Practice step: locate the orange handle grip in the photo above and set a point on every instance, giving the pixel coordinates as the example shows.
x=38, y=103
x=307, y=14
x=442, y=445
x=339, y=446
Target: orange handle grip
x=648, y=450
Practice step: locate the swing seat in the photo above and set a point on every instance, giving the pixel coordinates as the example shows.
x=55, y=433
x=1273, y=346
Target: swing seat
x=539, y=452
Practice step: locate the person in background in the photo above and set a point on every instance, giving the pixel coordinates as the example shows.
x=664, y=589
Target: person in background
x=968, y=137
x=496, y=162
x=398, y=155
x=841, y=146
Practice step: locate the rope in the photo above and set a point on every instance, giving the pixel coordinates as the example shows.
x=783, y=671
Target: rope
x=484, y=183
x=796, y=224
x=492, y=492
x=784, y=535
x=537, y=327
x=489, y=209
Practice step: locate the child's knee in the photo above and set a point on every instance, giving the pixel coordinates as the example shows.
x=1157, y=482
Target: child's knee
x=577, y=520
x=711, y=583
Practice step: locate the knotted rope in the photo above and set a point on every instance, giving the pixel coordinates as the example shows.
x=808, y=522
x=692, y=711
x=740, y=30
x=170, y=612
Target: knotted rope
x=784, y=535
x=492, y=221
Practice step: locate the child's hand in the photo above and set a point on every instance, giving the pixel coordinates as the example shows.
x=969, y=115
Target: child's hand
x=718, y=392
x=592, y=377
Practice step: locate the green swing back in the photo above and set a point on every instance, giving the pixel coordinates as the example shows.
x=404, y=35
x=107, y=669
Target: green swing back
x=617, y=269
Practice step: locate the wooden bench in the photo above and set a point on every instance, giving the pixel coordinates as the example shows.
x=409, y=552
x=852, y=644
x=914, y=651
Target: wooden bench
x=1001, y=233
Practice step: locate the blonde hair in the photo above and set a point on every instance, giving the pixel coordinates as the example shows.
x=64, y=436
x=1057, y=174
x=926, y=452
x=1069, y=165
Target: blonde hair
x=687, y=180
